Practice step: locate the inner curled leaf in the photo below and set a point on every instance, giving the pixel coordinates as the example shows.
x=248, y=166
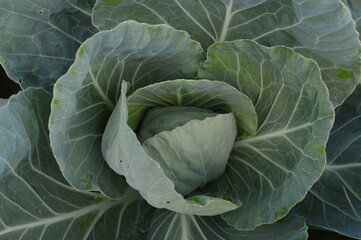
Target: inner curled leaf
x=195, y=153
x=162, y=119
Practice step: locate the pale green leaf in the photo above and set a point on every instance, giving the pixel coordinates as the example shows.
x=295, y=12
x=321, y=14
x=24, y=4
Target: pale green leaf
x=212, y=95
x=35, y=200
x=334, y=202
x=176, y=226
x=39, y=38
x=273, y=170
x=85, y=97
x=160, y=119
x=195, y=153
x=320, y=29
x=125, y=155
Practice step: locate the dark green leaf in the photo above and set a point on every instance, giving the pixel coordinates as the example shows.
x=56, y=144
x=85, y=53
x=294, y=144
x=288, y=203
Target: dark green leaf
x=35, y=200
x=334, y=202
x=176, y=226
x=39, y=38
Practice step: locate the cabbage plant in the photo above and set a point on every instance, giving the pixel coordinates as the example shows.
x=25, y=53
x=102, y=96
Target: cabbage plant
x=180, y=119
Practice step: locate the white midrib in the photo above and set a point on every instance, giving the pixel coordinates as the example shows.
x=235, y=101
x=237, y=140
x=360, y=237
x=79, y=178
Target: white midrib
x=343, y=166
x=227, y=21
x=271, y=135
x=200, y=231
x=48, y=221
x=185, y=229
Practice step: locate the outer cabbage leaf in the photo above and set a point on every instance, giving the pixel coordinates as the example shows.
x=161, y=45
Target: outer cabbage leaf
x=320, y=29
x=35, y=200
x=85, y=97
x=84, y=6
x=355, y=7
x=125, y=155
x=334, y=202
x=195, y=153
x=273, y=170
x=176, y=226
x=39, y=38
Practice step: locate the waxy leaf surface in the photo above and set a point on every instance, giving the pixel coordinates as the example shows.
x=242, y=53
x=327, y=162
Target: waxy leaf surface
x=36, y=202
x=39, y=38
x=85, y=97
x=176, y=226
x=334, y=202
x=320, y=29
x=273, y=170
x=126, y=156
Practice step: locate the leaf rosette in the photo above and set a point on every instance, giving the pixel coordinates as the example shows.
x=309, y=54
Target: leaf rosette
x=194, y=133
x=53, y=209
x=231, y=136
x=187, y=156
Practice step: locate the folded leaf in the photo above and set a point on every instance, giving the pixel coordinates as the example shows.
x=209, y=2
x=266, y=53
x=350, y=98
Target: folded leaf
x=125, y=155
x=195, y=153
x=85, y=97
